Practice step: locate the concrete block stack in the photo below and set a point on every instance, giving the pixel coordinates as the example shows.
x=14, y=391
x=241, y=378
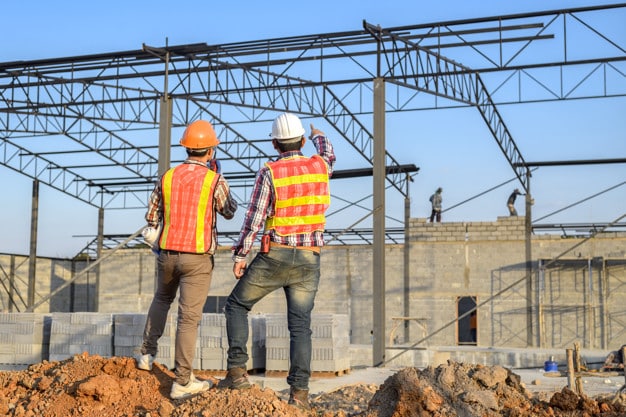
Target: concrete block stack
x=330, y=343
x=128, y=337
x=211, y=346
x=258, y=350
x=27, y=338
x=213, y=343
x=276, y=342
x=22, y=339
x=75, y=333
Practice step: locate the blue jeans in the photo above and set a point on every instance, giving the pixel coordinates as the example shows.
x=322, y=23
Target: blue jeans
x=297, y=272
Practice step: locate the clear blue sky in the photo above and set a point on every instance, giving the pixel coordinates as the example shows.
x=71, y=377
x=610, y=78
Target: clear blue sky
x=452, y=147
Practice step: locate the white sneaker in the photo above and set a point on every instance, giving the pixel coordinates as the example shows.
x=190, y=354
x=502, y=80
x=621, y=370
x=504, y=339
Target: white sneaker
x=194, y=386
x=144, y=361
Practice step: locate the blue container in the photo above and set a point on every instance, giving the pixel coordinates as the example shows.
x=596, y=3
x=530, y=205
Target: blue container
x=550, y=366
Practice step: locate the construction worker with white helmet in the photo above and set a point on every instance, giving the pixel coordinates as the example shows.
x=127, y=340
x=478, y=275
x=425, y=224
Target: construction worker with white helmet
x=288, y=202
x=183, y=206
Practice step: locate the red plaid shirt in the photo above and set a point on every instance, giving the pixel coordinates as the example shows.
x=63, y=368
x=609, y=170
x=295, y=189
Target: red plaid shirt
x=261, y=206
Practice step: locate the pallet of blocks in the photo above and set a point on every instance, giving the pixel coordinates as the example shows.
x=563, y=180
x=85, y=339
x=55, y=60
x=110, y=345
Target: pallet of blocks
x=75, y=333
x=128, y=337
x=213, y=344
x=330, y=344
x=23, y=339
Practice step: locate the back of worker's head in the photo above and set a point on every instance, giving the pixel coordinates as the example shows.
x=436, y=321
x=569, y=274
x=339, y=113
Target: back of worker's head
x=199, y=138
x=287, y=132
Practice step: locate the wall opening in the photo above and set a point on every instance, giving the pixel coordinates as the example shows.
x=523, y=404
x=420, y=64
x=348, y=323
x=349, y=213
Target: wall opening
x=467, y=327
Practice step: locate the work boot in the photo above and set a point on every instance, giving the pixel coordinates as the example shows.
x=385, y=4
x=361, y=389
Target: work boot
x=299, y=398
x=194, y=386
x=236, y=378
x=144, y=362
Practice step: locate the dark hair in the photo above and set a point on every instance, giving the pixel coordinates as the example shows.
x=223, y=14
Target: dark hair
x=197, y=152
x=286, y=147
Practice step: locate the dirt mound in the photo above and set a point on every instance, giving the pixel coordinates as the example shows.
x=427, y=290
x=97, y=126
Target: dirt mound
x=458, y=389
x=90, y=386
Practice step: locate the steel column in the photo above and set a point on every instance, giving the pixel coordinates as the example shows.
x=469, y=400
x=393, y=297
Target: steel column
x=165, y=134
x=379, y=224
x=530, y=341
x=406, y=258
x=32, y=260
x=96, y=298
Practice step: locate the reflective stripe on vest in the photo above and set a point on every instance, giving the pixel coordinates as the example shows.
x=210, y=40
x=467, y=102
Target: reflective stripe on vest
x=302, y=195
x=188, y=208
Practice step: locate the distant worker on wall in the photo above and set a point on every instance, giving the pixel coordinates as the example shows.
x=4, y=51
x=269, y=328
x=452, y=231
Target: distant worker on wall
x=435, y=202
x=510, y=203
x=288, y=204
x=184, y=206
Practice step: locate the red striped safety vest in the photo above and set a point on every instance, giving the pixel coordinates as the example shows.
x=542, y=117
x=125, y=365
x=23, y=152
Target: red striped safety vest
x=302, y=195
x=188, y=212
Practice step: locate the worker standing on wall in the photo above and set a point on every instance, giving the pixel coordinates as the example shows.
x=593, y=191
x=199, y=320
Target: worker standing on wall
x=510, y=203
x=436, y=201
x=184, y=206
x=288, y=202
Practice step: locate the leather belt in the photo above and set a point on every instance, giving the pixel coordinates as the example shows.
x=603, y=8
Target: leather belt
x=175, y=252
x=315, y=249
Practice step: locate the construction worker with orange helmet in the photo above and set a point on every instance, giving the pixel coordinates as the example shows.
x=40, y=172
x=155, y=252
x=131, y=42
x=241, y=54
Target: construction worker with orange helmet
x=288, y=202
x=183, y=206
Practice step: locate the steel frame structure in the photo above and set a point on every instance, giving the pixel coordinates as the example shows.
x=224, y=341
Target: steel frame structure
x=84, y=125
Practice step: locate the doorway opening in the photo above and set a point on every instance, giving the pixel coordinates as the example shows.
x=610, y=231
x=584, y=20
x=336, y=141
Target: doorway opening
x=467, y=327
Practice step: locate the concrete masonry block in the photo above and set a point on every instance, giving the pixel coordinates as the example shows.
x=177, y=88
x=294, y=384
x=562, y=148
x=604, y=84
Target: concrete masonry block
x=279, y=343
x=212, y=342
x=213, y=364
x=23, y=337
x=165, y=355
x=88, y=318
x=332, y=365
x=276, y=364
x=329, y=353
x=75, y=333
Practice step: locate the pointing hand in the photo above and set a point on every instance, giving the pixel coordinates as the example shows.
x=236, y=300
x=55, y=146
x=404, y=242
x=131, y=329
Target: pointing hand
x=315, y=132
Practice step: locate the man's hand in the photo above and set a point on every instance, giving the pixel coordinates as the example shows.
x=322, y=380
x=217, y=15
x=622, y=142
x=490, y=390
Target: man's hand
x=315, y=132
x=214, y=165
x=239, y=269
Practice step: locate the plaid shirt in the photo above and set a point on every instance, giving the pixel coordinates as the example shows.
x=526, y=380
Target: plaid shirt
x=262, y=206
x=223, y=203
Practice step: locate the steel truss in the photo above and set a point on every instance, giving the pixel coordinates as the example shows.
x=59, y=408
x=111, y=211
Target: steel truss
x=86, y=125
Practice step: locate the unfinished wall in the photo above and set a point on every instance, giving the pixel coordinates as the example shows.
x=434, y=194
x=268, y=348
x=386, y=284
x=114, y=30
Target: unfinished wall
x=578, y=298
x=574, y=299
x=50, y=275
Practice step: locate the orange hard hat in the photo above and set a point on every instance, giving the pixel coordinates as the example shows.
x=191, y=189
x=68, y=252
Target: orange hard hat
x=199, y=135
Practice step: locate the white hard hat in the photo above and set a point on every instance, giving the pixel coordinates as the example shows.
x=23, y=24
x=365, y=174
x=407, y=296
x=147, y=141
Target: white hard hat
x=287, y=128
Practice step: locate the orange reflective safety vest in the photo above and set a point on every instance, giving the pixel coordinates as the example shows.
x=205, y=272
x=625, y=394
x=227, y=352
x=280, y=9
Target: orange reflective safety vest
x=188, y=215
x=302, y=195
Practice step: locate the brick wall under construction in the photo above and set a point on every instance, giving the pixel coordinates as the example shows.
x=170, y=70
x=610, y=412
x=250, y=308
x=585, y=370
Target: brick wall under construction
x=575, y=292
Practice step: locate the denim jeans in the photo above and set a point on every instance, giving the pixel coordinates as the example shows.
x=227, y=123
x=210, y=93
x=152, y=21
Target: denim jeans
x=191, y=274
x=297, y=272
